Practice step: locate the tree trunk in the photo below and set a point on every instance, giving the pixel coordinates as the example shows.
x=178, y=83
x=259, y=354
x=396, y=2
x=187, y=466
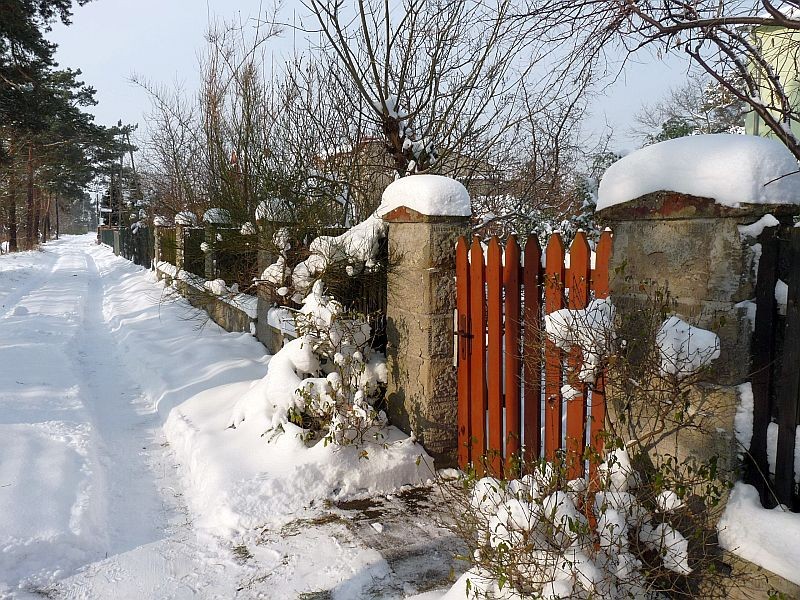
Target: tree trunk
x=29, y=215
x=37, y=212
x=57, y=223
x=11, y=210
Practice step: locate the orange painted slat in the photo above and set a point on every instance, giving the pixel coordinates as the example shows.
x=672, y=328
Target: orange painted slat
x=578, y=283
x=463, y=361
x=494, y=354
x=553, y=300
x=600, y=285
x=532, y=348
x=513, y=302
x=477, y=356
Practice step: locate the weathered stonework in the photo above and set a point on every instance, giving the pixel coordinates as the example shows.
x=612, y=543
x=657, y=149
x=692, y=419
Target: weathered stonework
x=692, y=248
x=422, y=391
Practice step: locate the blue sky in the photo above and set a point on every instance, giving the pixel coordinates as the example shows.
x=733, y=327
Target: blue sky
x=110, y=40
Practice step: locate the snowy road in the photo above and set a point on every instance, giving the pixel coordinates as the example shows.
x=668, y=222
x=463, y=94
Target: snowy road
x=85, y=473
x=92, y=360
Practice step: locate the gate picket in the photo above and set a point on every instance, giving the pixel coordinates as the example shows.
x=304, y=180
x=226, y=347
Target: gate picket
x=579, y=276
x=463, y=360
x=511, y=279
x=532, y=349
x=494, y=351
x=553, y=300
x=477, y=355
x=502, y=352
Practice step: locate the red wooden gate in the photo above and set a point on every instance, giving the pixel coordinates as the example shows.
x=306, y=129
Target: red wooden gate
x=502, y=362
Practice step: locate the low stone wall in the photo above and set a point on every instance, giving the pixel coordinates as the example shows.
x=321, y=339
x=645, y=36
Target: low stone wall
x=223, y=313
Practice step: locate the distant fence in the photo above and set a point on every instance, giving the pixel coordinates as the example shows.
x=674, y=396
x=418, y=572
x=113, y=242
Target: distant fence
x=137, y=246
x=776, y=373
x=505, y=402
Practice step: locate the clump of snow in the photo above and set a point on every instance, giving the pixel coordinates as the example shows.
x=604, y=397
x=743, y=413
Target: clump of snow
x=668, y=501
x=248, y=229
x=732, y=169
x=271, y=209
x=432, y=195
x=743, y=420
x=540, y=529
x=160, y=221
x=766, y=537
x=684, y=349
x=268, y=402
x=781, y=296
x=756, y=229
x=772, y=449
x=217, y=216
x=205, y=247
x=590, y=329
x=216, y=287
x=186, y=218
x=357, y=246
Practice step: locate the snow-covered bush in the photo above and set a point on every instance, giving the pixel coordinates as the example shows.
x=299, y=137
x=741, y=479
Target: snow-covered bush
x=641, y=524
x=327, y=382
x=541, y=536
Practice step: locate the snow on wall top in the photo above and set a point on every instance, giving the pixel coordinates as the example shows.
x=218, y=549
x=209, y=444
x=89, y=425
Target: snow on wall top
x=217, y=216
x=732, y=169
x=431, y=195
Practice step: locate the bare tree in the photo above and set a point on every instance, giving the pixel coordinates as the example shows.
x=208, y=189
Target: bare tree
x=750, y=48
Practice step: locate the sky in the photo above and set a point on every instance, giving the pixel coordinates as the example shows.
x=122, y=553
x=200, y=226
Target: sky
x=160, y=40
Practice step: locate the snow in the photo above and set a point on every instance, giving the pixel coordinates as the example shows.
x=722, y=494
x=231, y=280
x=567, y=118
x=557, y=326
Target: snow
x=160, y=221
x=186, y=218
x=766, y=537
x=781, y=296
x=431, y=195
x=590, y=329
x=248, y=229
x=756, y=229
x=99, y=500
x=217, y=216
x=732, y=169
x=685, y=349
x=743, y=419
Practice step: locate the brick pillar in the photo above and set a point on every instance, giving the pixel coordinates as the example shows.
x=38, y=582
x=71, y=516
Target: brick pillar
x=422, y=391
x=692, y=247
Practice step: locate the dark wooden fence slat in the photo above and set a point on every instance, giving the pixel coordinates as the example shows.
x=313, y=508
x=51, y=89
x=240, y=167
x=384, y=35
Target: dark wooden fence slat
x=532, y=349
x=763, y=358
x=494, y=351
x=580, y=257
x=789, y=391
x=513, y=382
x=478, y=355
x=554, y=300
x=464, y=342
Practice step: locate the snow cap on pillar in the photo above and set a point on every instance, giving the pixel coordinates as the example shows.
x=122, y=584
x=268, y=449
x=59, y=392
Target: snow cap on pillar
x=425, y=196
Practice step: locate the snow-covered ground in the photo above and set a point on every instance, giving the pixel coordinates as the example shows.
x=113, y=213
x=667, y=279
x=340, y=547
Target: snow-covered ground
x=97, y=502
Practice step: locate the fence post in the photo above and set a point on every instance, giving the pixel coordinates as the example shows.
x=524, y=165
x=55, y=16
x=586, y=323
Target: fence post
x=422, y=389
x=180, y=247
x=695, y=249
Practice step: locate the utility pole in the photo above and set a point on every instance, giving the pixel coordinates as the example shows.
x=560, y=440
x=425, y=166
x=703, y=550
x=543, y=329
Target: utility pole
x=121, y=157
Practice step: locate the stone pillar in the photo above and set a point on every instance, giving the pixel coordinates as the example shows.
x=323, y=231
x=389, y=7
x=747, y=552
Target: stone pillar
x=117, y=241
x=210, y=268
x=158, y=255
x=692, y=248
x=180, y=246
x=422, y=391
